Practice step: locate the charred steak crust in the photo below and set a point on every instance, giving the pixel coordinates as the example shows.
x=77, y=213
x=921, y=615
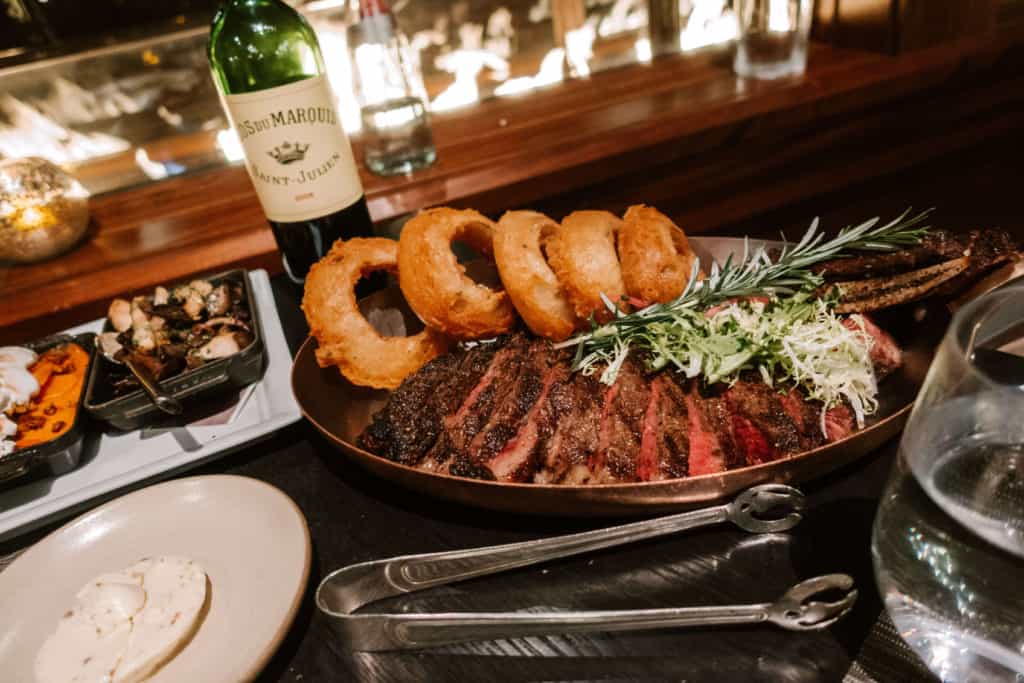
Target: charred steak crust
x=762, y=428
x=622, y=426
x=984, y=249
x=403, y=431
x=570, y=442
x=937, y=246
x=411, y=422
x=461, y=426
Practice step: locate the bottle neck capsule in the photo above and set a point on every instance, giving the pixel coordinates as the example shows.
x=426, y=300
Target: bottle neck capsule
x=371, y=8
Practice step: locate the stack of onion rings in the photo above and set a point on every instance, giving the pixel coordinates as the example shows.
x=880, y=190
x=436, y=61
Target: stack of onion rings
x=436, y=285
x=555, y=276
x=346, y=339
x=655, y=255
x=519, y=241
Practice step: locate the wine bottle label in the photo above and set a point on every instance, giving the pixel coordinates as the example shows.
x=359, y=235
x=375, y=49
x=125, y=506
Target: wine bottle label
x=296, y=151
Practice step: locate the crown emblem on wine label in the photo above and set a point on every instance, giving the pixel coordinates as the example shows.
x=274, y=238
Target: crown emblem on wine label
x=287, y=153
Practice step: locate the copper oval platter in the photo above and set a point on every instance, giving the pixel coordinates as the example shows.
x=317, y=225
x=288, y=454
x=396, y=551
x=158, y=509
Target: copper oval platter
x=340, y=411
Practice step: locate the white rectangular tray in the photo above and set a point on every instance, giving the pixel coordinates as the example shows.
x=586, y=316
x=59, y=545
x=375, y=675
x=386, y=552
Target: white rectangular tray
x=121, y=460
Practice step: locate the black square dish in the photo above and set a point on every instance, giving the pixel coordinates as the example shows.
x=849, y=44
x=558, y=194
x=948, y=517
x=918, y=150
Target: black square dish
x=62, y=454
x=135, y=410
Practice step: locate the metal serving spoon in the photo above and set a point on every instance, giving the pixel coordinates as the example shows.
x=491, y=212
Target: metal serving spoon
x=759, y=509
x=158, y=396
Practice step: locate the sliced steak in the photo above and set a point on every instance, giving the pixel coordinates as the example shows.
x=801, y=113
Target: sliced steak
x=403, y=431
x=665, y=444
x=574, y=412
x=839, y=423
x=520, y=458
x=712, y=449
x=622, y=423
x=460, y=427
x=886, y=356
x=511, y=411
x=762, y=429
x=412, y=420
x=806, y=415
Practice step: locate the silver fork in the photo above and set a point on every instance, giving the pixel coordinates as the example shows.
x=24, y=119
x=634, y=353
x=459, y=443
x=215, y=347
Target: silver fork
x=761, y=509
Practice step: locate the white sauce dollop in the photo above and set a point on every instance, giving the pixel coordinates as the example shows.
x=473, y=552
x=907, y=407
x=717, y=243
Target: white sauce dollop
x=124, y=626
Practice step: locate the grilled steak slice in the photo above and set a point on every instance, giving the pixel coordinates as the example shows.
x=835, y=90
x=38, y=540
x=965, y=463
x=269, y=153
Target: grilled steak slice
x=459, y=428
x=505, y=446
x=886, y=356
x=665, y=444
x=839, y=423
x=937, y=246
x=806, y=415
x=403, y=431
x=711, y=442
x=520, y=458
x=573, y=410
x=412, y=420
x=762, y=429
x=988, y=249
x=621, y=426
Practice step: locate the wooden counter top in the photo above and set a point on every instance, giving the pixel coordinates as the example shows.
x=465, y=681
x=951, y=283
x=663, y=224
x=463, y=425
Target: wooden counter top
x=682, y=133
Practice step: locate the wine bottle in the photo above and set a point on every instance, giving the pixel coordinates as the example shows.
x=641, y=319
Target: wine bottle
x=268, y=68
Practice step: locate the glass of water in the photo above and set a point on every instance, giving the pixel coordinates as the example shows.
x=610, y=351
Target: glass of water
x=948, y=543
x=773, y=37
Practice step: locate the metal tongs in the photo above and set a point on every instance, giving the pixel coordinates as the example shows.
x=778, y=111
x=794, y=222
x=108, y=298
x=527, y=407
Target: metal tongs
x=761, y=509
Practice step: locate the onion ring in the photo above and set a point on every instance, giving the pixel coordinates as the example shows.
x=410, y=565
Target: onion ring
x=656, y=257
x=346, y=339
x=519, y=239
x=436, y=285
x=583, y=257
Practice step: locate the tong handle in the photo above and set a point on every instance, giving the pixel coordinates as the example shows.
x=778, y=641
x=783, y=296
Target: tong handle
x=376, y=632
x=347, y=589
x=808, y=606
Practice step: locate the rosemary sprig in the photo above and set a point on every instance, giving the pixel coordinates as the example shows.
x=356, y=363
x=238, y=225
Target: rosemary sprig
x=654, y=328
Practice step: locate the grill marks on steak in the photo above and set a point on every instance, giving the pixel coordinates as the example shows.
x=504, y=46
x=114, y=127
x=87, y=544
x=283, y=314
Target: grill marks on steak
x=622, y=424
x=461, y=427
x=411, y=422
x=665, y=444
x=984, y=250
x=573, y=415
x=711, y=445
x=762, y=428
x=513, y=411
x=509, y=431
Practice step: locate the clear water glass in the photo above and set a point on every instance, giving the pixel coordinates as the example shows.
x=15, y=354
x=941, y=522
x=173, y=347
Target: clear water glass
x=773, y=36
x=948, y=544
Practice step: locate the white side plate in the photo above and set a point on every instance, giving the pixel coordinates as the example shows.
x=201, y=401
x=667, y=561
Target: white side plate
x=248, y=536
x=127, y=459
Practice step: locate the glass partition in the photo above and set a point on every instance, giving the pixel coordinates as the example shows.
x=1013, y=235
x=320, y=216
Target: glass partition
x=135, y=110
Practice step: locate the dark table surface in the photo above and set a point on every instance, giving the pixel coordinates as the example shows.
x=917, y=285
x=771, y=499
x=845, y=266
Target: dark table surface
x=354, y=517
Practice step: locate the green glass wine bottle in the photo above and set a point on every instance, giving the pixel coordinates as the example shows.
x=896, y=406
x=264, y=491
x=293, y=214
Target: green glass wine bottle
x=268, y=68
